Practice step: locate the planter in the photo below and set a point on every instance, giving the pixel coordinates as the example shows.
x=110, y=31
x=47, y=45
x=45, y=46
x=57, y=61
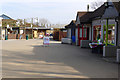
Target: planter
x=109, y=51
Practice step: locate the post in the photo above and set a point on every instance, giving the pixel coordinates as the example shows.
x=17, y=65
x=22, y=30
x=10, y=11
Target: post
x=107, y=32
x=32, y=28
x=103, y=33
x=25, y=25
x=78, y=35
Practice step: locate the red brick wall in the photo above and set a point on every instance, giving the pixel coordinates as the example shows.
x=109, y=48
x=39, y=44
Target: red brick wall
x=11, y=36
x=62, y=35
x=58, y=35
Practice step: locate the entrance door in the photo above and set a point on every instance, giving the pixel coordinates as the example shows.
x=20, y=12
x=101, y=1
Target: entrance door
x=82, y=34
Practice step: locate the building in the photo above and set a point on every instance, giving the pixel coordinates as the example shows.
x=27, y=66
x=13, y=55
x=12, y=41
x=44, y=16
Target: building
x=117, y=6
x=85, y=30
x=79, y=15
x=0, y=28
x=8, y=26
x=71, y=28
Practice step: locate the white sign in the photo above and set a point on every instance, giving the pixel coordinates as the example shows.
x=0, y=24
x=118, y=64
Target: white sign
x=46, y=40
x=21, y=31
x=7, y=25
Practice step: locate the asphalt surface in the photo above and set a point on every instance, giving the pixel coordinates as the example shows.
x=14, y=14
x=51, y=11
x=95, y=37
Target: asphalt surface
x=30, y=59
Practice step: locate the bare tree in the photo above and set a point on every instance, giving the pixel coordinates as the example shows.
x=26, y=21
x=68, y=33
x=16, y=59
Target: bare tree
x=44, y=22
x=96, y=4
x=20, y=22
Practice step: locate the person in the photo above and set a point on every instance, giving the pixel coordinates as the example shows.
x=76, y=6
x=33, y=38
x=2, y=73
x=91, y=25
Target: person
x=21, y=36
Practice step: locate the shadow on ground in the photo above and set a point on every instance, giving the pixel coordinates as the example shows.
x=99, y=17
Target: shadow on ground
x=56, y=61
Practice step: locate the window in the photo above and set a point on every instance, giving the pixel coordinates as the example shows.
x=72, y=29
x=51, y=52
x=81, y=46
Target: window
x=81, y=32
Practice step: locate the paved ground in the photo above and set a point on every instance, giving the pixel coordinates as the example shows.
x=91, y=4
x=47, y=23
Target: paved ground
x=29, y=59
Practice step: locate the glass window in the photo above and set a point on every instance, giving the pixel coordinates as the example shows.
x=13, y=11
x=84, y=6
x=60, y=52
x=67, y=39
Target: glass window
x=97, y=33
x=111, y=34
x=84, y=34
x=80, y=32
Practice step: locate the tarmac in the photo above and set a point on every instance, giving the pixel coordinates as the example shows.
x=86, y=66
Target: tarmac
x=30, y=59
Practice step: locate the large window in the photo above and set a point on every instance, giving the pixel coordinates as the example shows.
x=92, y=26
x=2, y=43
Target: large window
x=111, y=34
x=97, y=32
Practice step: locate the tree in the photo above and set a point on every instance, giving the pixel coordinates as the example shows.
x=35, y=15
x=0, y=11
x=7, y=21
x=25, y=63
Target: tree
x=95, y=5
x=43, y=22
x=19, y=22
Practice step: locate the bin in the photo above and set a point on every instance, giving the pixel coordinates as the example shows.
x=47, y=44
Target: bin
x=73, y=39
x=118, y=56
x=6, y=37
x=26, y=37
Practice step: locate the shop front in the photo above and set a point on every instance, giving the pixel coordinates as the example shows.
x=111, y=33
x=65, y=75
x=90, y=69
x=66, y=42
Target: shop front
x=111, y=34
x=101, y=32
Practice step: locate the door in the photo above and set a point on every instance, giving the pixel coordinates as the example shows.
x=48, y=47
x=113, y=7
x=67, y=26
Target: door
x=82, y=34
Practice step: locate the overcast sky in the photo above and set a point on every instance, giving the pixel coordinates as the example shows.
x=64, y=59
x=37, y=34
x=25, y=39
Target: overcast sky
x=56, y=11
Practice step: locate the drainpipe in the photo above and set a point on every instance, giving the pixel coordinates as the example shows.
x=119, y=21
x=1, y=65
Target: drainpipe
x=116, y=32
x=91, y=33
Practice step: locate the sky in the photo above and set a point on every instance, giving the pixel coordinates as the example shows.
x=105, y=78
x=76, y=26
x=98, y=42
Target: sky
x=56, y=11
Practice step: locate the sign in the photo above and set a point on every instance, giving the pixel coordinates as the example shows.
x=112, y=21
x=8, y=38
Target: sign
x=46, y=40
x=21, y=31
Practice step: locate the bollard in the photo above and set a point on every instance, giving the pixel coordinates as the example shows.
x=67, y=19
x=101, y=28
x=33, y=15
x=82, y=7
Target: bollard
x=6, y=37
x=118, y=56
x=26, y=37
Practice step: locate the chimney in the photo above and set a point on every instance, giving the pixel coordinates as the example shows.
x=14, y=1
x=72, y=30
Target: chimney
x=88, y=8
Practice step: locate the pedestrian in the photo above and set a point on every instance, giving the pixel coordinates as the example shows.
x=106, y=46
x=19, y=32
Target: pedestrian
x=21, y=36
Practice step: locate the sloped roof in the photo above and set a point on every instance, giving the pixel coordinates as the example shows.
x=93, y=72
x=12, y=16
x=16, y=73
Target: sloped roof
x=117, y=6
x=72, y=24
x=98, y=12
x=80, y=13
x=5, y=16
x=87, y=18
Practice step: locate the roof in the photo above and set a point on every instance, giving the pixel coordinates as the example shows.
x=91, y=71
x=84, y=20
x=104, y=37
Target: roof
x=3, y=16
x=43, y=28
x=98, y=12
x=117, y=6
x=86, y=18
x=72, y=24
x=80, y=13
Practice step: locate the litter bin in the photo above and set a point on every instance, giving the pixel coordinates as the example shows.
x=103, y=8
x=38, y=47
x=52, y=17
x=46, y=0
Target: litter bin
x=26, y=37
x=118, y=56
x=6, y=37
